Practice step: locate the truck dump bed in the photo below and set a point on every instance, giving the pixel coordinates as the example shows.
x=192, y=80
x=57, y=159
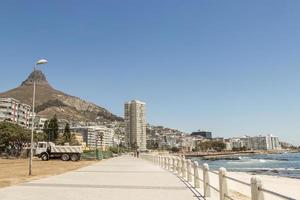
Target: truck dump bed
x=65, y=149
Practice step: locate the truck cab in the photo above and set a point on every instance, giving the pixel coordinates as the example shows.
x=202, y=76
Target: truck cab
x=41, y=147
x=43, y=150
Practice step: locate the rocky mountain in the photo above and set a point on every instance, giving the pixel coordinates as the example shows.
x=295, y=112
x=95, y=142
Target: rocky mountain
x=50, y=101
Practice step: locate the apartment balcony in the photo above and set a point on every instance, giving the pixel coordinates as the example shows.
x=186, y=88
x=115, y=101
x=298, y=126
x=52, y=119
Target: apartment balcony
x=5, y=104
x=22, y=120
x=22, y=115
x=4, y=110
x=7, y=115
x=25, y=110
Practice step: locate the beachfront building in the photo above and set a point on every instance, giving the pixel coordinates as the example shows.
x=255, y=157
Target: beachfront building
x=274, y=142
x=96, y=136
x=187, y=143
x=247, y=142
x=228, y=145
x=204, y=134
x=234, y=143
x=100, y=136
x=169, y=141
x=260, y=142
x=135, y=120
x=268, y=142
x=14, y=111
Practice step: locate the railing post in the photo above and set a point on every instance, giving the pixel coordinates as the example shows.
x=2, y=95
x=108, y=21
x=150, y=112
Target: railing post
x=223, y=183
x=196, y=175
x=166, y=166
x=174, y=164
x=183, y=168
x=179, y=171
x=189, y=170
x=169, y=163
x=159, y=161
x=256, y=184
x=166, y=162
x=206, y=180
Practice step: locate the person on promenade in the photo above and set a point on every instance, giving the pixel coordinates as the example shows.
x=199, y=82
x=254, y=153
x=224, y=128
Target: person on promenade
x=138, y=152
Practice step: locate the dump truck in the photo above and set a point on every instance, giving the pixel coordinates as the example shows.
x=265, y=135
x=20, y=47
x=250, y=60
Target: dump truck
x=47, y=150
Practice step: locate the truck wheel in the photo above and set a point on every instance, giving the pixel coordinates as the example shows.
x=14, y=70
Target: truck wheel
x=65, y=157
x=45, y=157
x=74, y=157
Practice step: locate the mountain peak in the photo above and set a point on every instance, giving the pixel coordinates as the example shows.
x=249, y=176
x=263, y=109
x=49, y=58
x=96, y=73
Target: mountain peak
x=50, y=101
x=38, y=76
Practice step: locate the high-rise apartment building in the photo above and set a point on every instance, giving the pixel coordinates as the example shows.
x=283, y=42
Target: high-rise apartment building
x=135, y=119
x=14, y=111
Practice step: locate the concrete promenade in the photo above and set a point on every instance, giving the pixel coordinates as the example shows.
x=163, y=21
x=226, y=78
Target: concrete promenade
x=124, y=177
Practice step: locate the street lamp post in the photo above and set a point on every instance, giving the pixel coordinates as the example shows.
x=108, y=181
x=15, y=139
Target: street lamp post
x=40, y=62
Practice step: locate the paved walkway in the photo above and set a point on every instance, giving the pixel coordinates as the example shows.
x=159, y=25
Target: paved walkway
x=119, y=178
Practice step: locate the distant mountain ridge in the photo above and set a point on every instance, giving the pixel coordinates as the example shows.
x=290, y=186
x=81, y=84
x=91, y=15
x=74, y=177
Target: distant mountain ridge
x=50, y=101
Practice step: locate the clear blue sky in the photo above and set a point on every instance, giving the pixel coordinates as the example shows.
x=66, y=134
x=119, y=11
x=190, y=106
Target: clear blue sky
x=231, y=67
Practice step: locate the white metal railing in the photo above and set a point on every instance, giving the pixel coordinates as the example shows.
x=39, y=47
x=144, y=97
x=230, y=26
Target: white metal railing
x=189, y=171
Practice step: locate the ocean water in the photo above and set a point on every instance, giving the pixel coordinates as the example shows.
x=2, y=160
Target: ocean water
x=286, y=164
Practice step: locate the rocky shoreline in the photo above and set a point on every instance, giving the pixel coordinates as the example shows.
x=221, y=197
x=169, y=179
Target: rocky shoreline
x=232, y=155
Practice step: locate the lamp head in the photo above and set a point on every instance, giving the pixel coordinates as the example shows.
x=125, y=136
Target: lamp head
x=42, y=61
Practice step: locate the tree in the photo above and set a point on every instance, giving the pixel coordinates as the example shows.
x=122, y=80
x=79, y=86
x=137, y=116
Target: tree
x=239, y=148
x=12, y=138
x=134, y=146
x=61, y=140
x=46, y=129
x=67, y=137
x=53, y=129
x=40, y=137
x=114, y=150
x=152, y=144
x=67, y=133
x=216, y=145
x=175, y=149
x=73, y=140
